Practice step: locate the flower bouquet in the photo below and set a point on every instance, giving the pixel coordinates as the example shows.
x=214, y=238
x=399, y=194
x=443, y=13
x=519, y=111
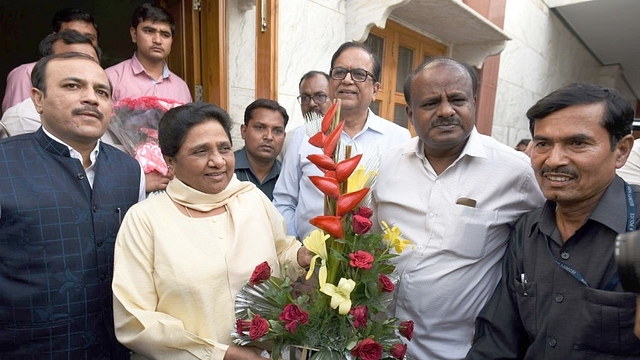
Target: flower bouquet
x=342, y=314
x=135, y=124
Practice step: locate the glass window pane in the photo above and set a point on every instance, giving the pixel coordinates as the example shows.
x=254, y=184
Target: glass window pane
x=405, y=66
x=375, y=107
x=400, y=116
x=376, y=44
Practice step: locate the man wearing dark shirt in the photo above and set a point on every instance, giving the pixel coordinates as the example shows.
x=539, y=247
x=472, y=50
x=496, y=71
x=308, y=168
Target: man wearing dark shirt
x=559, y=296
x=263, y=134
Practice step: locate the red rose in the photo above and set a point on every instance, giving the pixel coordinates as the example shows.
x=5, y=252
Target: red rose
x=261, y=273
x=361, y=259
x=242, y=326
x=359, y=314
x=361, y=224
x=259, y=327
x=364, y=212
x=406, y=329
x=367, y=349
x=398, y=350
x=291, y=315
x=386, y=283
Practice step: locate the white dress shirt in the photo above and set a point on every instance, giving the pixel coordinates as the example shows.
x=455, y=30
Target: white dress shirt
x=91, y=170
x=455, y=265
x=21, y=118
x=297, y=199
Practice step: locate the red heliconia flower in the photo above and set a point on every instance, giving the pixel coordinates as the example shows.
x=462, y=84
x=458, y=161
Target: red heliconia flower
x=331, y=141
x=322, y=161
x=398, y=350
x=346, y=202
x=328, y=118
x=318, y=139
x=406, y=329
x=329, y=186
x=345, y=168
x=330, y=224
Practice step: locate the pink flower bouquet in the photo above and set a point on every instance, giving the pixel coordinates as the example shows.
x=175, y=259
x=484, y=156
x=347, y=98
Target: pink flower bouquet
x=135, y=124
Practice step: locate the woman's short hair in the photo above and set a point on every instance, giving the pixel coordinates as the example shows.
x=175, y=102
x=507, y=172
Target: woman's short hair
x=176, y=123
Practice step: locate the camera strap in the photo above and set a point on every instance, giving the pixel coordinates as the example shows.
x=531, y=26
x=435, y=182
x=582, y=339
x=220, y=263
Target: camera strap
x=631, y=226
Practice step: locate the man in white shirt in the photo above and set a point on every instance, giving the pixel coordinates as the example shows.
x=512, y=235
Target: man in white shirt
x=354, y=79
x=454, y=193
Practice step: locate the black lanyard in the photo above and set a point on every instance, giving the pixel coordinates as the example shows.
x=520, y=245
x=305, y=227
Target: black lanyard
x=631, y=226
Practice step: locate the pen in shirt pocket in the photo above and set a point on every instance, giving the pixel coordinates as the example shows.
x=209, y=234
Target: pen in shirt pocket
x=523, y=282
x=119, y=211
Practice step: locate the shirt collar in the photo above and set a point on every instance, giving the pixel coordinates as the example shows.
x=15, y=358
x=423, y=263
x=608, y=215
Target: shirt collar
x=372, y=124
x=242, y=162
x=474, y=147
x=611, y=210
x=73, y=152
x=137, y=67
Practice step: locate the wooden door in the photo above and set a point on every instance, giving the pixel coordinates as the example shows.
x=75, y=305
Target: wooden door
x=400, y=51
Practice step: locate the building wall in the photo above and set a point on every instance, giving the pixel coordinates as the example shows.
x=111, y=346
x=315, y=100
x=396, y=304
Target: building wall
x=309, y=33
x=542, y=56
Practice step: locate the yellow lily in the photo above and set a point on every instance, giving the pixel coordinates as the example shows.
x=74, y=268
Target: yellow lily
x=340, y=295
x=315, y=243
x=359, y=178
x=392, y=236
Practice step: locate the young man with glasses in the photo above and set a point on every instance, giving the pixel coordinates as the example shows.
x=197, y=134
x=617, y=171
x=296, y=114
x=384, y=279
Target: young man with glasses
x=353, y=79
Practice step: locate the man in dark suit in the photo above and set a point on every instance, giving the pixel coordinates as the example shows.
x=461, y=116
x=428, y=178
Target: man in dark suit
x=63, y=193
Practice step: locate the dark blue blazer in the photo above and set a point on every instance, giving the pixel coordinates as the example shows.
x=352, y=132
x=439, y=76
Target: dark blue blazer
x=57, y=238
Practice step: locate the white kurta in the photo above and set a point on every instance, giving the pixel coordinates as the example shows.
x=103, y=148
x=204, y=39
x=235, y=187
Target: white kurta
x=176, y=277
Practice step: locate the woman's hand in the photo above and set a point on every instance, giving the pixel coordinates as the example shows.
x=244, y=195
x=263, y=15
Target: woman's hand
x=243, y=353
x=304, y=257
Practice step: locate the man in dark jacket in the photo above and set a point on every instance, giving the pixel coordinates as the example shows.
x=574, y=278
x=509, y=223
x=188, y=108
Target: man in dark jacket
x=63, y=194
x=560, y=296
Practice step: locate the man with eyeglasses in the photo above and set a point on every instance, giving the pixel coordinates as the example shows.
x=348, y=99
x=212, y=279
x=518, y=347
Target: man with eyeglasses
x=314, y=93
x=313, y=99
x=354, y=75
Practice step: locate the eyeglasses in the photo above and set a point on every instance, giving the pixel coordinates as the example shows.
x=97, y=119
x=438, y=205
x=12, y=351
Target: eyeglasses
x=317, y=98
x=358, y=75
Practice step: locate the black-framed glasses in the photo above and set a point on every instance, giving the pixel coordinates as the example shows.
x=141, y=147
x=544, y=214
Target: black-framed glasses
x=358, y=75
x=317, y=98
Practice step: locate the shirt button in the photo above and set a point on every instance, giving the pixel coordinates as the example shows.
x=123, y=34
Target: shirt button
x=565, y=255
x=103, y=277
x=95, y=208
x=100, y=243
x=559, y=298
x=438, y=182
x=80, y=176
x=431, y=215
x=552, y=342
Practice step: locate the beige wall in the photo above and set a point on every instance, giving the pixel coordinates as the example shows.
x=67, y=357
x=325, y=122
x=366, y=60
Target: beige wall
x=542, y=56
